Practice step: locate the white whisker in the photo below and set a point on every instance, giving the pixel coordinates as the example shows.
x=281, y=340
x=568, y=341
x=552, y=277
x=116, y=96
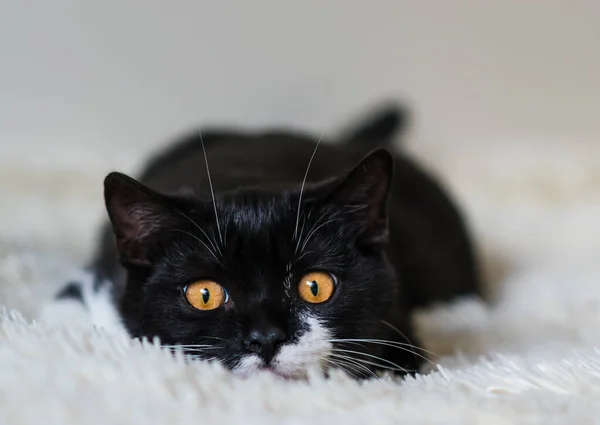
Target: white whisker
x=201, y=241
x=316, y=223
x=354, y=362
x=195, y=350
x=380, y=366
x=395, y=366
x=218, y=248
x=302, y=187
x=212, y=242
x=402, y=334
x=394, y=344
x=304, y=220
x=188, y=346
x=312, y=233
x=347, y=367
x=304, y=254
x=212, y=192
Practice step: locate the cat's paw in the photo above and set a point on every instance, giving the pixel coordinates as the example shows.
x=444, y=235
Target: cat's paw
x=85, y=300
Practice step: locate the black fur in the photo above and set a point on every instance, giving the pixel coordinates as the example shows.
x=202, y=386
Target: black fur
x=390, y=234
x=71, y=291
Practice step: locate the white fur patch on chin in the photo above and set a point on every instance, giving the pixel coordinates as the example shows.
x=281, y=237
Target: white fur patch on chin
x=98, y=309
x=294, y=360
x=310, y=351
x=248, y=365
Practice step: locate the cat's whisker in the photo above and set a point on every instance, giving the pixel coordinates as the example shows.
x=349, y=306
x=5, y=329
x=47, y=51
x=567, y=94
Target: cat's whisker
x=201, y=241
x=209, y=359
x=190, y=355
x=360, y=369
x=382, y=367
x=403, y=335
x=302, y=187
x=394, y=344
x=184, y=353
x=316, y=223
x=304, y=220
x=304, y=254
x=194, y=347
x=343, y=365
x=212, y=337
x=347, y=368
x=225, y=232
x=196, y=359
x=355, y=362
x=355, y=208
x=312, y=233
x=212, y=192
x=211, y=240
x=203, y=337
x=188, y=346
x=218, y=248
x=195, y=350
x=393, y=365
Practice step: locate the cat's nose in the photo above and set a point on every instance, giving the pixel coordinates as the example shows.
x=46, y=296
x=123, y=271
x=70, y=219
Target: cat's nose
x=264, y=340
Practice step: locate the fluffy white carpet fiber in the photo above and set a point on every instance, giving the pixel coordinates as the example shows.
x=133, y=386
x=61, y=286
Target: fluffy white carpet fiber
x=528, y=357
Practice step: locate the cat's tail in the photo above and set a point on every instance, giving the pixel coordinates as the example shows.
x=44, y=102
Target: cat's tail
x=379, y=128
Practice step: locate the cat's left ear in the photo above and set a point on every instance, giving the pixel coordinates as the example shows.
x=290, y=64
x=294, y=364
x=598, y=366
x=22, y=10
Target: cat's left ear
x=139, y=218
x=364, y=193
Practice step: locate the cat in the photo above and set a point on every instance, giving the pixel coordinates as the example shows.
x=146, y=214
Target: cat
x=279, y=251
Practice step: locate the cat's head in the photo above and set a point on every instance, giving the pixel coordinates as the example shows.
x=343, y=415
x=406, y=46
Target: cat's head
x=259, y=279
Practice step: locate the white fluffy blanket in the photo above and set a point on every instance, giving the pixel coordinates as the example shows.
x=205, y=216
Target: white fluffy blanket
x=527, y=358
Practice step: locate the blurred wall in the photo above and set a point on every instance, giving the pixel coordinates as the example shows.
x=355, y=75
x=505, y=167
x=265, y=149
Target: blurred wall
x=133, y=72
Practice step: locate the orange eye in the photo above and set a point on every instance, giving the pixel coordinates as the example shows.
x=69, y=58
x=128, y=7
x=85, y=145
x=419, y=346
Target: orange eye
x=316, y=287
x=206, y=295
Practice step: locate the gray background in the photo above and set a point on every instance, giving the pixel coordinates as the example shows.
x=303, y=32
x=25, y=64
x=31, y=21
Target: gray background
x=76, y=74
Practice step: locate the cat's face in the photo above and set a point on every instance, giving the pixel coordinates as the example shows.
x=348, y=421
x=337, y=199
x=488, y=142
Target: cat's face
x=260, y=280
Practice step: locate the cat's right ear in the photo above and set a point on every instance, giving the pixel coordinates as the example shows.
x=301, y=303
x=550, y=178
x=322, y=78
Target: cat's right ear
x=364, y=194
x=137, y=214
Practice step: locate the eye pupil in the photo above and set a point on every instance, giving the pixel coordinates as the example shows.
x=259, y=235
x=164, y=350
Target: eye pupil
x=314, y=287
x=205, y=295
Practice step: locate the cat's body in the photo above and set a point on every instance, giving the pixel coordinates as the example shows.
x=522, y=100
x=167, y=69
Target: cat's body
x=388, y=244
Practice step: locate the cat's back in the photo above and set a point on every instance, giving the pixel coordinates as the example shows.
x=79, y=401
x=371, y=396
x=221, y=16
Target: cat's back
x=236, y=160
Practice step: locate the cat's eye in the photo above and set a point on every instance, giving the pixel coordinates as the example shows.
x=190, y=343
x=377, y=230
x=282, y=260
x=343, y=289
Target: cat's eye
x=206, y=295
x=316, y=287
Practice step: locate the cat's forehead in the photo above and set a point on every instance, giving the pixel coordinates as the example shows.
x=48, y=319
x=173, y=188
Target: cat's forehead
x=255, y=211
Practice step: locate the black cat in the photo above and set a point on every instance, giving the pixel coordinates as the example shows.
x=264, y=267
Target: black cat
x=289, y=254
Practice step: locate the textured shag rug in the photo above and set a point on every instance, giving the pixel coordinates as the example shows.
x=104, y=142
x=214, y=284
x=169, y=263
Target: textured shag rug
x=528, y=357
